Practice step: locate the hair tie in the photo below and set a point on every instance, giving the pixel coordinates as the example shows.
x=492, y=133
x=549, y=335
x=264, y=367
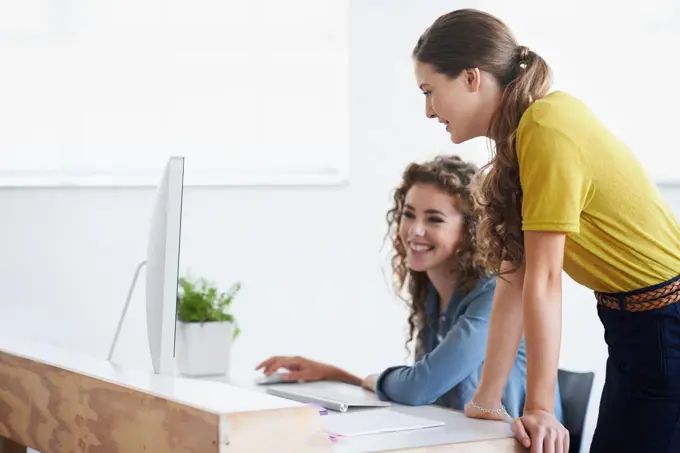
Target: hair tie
x=524, y=56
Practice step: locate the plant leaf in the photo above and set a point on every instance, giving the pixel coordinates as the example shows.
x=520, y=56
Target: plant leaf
x=200, y=301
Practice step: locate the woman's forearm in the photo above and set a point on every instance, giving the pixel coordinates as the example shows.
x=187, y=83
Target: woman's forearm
x=340, y=375
x=543, y=330
x=505, y=335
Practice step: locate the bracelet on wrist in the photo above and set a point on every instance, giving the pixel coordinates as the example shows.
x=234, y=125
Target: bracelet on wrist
x=499, y=411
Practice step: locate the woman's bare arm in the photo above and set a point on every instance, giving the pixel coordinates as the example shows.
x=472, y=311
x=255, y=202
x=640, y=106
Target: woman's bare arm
x=542, y=315
x=505, y=335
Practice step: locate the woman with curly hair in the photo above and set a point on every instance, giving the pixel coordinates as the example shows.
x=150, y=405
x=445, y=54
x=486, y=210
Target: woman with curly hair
x=433, y=227
x=562, y=192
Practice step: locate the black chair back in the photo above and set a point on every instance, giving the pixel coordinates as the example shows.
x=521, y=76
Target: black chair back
x=575, y=391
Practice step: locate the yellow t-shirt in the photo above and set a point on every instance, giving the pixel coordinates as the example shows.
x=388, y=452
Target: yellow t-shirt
x=579, y=178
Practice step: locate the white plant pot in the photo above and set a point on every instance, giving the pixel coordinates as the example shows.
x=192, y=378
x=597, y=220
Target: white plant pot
x=204, y=349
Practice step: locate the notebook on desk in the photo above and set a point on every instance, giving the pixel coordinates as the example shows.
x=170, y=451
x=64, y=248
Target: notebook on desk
x=336, y=396
x=377, y=421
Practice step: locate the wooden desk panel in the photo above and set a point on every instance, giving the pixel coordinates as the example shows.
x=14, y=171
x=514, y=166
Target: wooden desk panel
x=56, y=410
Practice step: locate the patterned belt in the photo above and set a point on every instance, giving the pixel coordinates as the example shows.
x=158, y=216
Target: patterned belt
x=658, y=296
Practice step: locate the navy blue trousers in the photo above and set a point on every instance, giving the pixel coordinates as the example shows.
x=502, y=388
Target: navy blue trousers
x=640, y=405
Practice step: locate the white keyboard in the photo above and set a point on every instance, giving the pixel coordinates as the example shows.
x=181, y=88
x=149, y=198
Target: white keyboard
x=331, y=395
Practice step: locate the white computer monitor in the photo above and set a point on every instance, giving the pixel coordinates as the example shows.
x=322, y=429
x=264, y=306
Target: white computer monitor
x=162, y=267
x=162, y=273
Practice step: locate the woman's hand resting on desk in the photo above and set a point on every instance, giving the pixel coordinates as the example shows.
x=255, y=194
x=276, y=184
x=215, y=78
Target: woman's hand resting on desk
x=541, y=431
x=536, y=429
x=300, y=369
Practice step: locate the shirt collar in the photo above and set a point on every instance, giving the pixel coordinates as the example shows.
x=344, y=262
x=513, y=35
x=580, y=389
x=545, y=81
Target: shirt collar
x=432, y=302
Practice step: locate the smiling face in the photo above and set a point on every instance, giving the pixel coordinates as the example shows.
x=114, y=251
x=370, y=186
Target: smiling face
x=430, y=228
x=464, y=104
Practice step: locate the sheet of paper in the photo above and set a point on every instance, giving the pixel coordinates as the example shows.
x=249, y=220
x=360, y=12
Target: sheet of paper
x=374, y=421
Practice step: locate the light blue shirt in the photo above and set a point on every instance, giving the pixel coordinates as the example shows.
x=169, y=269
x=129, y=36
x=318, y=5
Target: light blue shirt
x=449, y=370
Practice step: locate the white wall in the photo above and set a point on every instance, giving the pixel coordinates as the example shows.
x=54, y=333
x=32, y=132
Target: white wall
x=314, y=280
x=309, y=258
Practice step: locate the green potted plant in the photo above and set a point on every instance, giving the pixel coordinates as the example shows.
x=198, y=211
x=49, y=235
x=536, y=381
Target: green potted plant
x=205, y=327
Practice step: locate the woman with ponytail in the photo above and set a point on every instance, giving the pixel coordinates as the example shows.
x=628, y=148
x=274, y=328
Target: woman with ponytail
x=561, y=192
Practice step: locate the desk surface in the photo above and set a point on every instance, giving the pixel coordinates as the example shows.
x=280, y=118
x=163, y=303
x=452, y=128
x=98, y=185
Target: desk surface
x=457, y=428
x=214, y=397
x=241, y=414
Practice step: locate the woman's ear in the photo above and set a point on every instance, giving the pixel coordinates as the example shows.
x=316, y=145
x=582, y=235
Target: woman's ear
x=473, y=79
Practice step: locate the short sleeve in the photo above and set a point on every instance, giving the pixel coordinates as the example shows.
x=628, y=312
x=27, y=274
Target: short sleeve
x=555, y=177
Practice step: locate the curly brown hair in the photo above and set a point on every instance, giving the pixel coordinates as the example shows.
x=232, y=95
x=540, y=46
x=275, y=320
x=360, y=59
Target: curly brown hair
x=469, y=38
x=453, y=176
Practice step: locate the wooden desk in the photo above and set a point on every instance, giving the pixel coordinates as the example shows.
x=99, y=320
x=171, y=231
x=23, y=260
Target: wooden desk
x=58, y=401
